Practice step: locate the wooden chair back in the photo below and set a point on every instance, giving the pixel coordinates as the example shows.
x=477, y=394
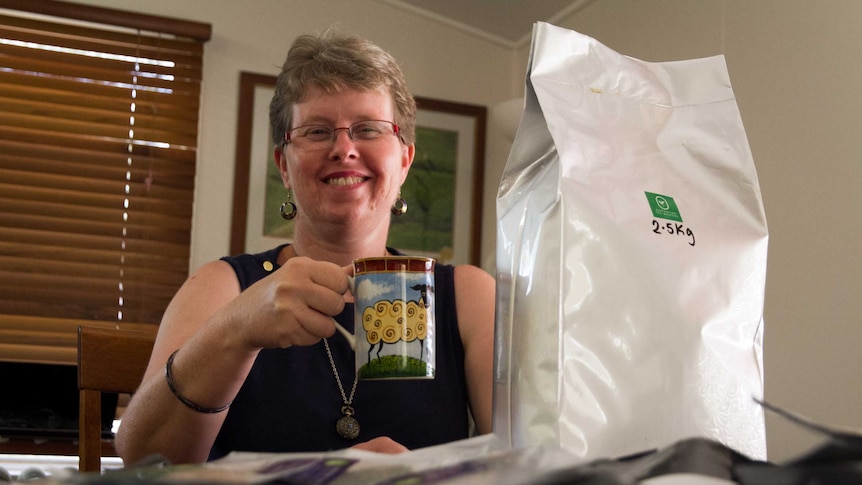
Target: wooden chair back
x=109, y=360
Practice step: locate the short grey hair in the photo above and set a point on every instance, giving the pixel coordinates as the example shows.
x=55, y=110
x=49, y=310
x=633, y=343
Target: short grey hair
x=334, y=62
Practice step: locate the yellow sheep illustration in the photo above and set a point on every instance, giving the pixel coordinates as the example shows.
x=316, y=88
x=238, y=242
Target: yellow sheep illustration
x=387, y=322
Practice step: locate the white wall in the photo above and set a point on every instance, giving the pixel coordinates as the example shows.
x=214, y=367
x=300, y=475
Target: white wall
x=795, y=66
x=796, y=69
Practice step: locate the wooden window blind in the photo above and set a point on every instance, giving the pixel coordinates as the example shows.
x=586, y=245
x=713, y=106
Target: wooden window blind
x=98, y=143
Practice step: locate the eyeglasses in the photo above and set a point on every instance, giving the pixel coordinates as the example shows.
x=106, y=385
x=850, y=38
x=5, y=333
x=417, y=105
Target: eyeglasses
x=322, y=134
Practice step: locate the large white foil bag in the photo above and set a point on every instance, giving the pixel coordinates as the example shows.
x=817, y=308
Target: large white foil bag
x=631, y=257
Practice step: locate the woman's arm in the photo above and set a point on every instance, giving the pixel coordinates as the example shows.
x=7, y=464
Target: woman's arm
x=218, y=332
x=475, y=303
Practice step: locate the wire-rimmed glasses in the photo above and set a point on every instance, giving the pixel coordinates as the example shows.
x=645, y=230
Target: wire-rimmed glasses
x=319, y=135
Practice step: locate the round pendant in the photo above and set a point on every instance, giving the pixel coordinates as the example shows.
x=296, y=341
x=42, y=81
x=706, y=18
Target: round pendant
x=347, y=427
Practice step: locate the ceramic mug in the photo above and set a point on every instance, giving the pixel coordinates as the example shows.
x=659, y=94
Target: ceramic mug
x=394, y=317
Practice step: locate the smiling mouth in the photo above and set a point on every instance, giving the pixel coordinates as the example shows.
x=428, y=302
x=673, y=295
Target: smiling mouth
x=344, y=180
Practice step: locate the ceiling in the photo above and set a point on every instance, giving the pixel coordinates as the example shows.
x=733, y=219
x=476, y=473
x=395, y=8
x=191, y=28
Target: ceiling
x=506, y=22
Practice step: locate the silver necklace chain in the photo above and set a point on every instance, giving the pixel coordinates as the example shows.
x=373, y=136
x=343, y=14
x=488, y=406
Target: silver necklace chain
x=347, y=426
x=347, y=402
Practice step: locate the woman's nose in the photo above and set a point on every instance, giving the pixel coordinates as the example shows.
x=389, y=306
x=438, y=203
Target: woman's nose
x=343, y=146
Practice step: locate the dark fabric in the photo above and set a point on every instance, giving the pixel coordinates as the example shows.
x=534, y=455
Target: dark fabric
x=290, y=401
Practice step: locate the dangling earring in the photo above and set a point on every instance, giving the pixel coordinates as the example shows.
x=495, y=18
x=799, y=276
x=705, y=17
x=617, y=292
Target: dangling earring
x=289, y=205
x=400, y=205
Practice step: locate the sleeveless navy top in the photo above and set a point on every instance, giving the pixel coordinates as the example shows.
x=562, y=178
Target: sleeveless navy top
x=290, y=401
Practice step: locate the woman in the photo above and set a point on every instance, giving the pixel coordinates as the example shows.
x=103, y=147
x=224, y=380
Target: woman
x=257, y=331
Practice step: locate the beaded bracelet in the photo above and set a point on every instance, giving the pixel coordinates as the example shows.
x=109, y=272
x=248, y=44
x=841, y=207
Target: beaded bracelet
x=197, y=407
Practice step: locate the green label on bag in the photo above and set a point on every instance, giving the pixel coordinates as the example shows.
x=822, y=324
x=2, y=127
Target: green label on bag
x=663, y=206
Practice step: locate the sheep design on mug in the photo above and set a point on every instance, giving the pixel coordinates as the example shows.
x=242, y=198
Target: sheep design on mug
x=387, y=322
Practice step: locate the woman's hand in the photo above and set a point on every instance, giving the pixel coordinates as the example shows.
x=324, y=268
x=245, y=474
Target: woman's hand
x=293, y=306
x=381, y=444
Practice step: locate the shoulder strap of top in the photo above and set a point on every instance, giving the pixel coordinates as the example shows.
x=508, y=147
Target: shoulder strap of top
x=250, y=268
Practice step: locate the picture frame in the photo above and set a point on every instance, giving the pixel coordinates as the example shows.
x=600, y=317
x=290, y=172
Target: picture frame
x=445, y=182
x=252, y=153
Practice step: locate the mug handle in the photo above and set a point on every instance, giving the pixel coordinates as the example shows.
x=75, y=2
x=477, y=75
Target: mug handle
x=351, y=339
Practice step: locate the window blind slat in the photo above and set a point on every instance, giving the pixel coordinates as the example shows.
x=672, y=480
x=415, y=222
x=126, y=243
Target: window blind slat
x=14, y=254
x=180, y=99
x=52, y=124
x=70, y=200
x=137, y=187
x=88, y=215
x=25, y=144
x=47, y=238
x=158, y=126
x=102, y=273
x=103, y=257
x=118, y=84
x=167, y=108
x=169, y=176
x=118, y=40
x=65, y=224
x=80, y=291
x=184, y=28
x=88, y=310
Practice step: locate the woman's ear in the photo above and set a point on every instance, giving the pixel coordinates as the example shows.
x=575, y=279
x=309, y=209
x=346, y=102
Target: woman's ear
x=408, y=152
x=281, y=164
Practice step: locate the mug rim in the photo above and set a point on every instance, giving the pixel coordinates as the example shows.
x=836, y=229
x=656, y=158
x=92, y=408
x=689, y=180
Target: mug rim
x=419, y=264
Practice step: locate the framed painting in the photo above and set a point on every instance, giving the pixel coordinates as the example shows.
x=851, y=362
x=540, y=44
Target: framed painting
x=443, y=190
